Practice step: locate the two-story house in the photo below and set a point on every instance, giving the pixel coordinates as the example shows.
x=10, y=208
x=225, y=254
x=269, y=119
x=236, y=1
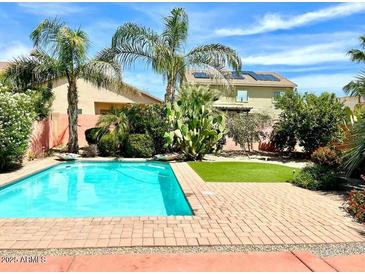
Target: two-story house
x=252, y=91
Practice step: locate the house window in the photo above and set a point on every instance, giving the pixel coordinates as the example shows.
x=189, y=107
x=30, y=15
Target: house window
x=278, y=95
x=79, y=111
x=242, y=96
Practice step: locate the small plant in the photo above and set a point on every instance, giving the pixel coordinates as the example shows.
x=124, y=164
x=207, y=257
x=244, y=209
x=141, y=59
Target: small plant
x=317, y=178
x=355, y=205
x=139, y=145
x=326, y=156
x=108, y=145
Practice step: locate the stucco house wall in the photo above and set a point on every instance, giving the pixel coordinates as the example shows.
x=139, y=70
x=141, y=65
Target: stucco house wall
x=93, y=98
x=260, y=99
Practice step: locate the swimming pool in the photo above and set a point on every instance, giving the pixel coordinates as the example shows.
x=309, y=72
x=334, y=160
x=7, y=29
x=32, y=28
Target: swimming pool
x=84, y=189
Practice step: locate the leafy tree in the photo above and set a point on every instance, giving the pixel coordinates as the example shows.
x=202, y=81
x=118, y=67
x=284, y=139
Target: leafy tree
x=309, y=120
x=165, y=52
x=195, y=127
x=246, y=129
x=61, y=51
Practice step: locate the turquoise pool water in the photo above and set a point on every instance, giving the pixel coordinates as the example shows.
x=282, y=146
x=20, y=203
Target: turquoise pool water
x=81, y=189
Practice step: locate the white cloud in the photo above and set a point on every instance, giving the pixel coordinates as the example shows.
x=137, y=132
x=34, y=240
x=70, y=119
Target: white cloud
x=318, y=83
x=50, y=9
x=12, y=50
x=272, y=22
x=308, y=55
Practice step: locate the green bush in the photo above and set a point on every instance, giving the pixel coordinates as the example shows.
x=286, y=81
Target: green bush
x=308, y=120
x=150, y=119
x=139, y=145
x=91, y=135
x=326, y=156
x=317, y=177
x=108, y=146
x=16, y=120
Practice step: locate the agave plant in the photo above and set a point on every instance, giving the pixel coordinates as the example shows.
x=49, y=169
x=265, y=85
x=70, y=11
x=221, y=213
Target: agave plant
x=165, y=52
x=61, y=51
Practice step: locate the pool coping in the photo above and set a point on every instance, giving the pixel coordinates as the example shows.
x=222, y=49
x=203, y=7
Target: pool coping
x=210, y=225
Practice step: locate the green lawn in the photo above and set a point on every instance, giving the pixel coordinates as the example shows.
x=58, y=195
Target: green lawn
x=242, y=172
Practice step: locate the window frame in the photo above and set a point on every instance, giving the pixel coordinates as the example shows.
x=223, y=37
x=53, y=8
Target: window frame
x=281, y=93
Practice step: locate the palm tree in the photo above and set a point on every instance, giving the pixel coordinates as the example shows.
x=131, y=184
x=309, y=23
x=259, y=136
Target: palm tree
x=115, y=123
x=358, y=55
x=165, y=51
x=355, y=88
x=60, y=51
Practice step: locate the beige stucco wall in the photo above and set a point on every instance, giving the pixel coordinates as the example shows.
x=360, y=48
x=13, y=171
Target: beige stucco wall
x=261, y=99
x=90, y=94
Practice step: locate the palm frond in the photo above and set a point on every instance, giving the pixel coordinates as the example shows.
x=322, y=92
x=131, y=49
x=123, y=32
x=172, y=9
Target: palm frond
x=356, y=55
x=355, y=156
x=355, y=88
x=29, y=71
x=102, y=72
x=176, y=29
x=45, y=34
x=132, y=42
x=215, y=55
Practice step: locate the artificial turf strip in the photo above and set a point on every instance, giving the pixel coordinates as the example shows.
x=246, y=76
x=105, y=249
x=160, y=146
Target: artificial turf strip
x=242, y=172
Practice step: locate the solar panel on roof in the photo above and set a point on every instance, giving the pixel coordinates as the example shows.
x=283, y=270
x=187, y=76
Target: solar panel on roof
x=201, y=75
x=267, y=77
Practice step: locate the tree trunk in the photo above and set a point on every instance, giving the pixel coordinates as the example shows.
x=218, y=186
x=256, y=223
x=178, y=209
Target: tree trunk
x=73, y=146
x=170, y=91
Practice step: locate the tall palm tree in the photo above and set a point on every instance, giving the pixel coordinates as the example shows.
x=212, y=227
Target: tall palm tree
x=60, y=51
x=165, y=52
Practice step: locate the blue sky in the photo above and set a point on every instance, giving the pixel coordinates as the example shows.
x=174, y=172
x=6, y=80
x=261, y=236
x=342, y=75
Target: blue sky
x=306, y=42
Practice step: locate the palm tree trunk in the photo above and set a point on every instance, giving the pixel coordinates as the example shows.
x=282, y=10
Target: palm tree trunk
x=73, y=146
x=170, y=90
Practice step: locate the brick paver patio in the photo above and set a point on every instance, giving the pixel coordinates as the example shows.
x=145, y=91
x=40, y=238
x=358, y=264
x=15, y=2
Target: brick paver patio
x=225, y=214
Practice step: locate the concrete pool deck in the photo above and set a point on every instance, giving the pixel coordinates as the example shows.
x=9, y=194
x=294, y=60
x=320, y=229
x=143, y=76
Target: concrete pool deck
x=225, y=214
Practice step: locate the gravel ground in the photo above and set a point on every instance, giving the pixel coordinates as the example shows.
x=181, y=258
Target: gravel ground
x=321, y=250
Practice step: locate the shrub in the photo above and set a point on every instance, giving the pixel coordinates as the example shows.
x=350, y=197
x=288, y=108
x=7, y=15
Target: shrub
x=108, y=145
x=317, y=177
x=16, y=119
x=246, y=129
x=91, y=135
x=150, y=119
x=267, y=146
x=326, y=156
x=139, y=145
x=355, y=205
x=309, y=120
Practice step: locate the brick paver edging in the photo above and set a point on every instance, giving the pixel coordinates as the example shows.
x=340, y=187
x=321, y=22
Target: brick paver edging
x=224, y=214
